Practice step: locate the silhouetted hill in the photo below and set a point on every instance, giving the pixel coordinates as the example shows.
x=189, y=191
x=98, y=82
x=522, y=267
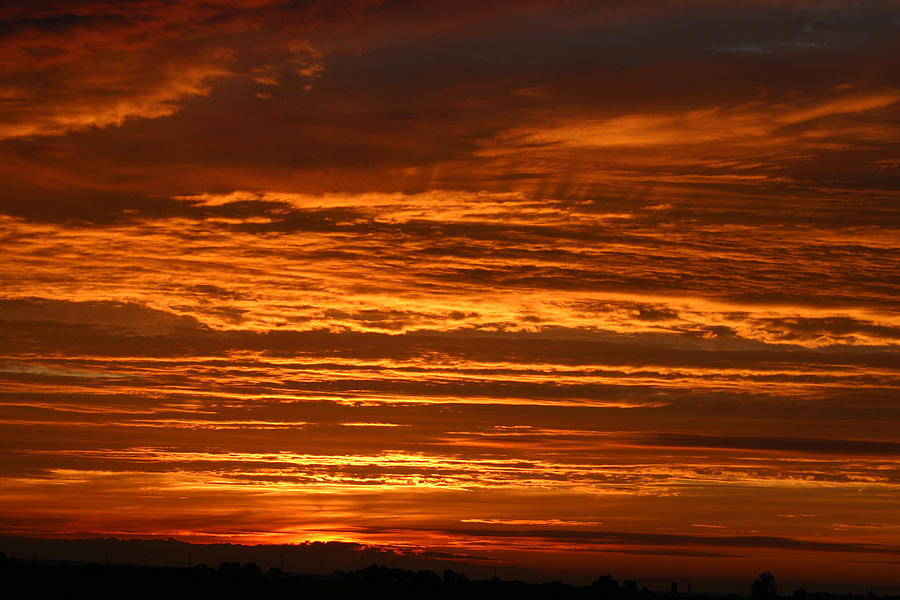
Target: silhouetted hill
x=309, y=557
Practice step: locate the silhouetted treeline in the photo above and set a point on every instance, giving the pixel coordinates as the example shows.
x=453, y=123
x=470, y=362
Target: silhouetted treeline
x=33, y=579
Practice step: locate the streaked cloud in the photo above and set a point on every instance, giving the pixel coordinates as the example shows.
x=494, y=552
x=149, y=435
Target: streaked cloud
x=524, y=282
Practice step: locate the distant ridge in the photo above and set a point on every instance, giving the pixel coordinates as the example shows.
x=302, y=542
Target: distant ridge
x=304, y=557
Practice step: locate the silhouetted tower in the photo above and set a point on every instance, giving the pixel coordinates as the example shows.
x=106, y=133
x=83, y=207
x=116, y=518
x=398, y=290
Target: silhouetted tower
x=674, y=588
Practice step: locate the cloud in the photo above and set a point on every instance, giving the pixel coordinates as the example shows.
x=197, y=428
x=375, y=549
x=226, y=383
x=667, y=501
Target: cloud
x=312, y=557
x=659, y=539
x=111, y=316
x=75, y=67
x=827, y=330
x=104, y=104
x=201, y=65
x=779, y=444
x=744, y=144
x=279, y=271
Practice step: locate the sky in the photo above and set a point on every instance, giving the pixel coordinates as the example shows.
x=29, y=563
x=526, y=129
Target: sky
x=581, y=286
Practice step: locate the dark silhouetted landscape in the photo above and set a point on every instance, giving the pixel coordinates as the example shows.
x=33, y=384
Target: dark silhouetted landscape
x=60, y=579
x=170, y=568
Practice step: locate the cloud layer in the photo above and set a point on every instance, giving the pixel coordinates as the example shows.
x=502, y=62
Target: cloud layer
x=530, y=282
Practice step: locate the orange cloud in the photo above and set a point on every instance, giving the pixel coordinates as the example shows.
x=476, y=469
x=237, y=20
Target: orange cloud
x=755, y=127
x=588, y=280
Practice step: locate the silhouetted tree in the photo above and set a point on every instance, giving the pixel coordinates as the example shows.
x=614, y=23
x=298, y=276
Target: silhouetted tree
x=606, y=587
x=764, y=587
x=427, y=579
x=274, y=573
x=451, y=577
x=251, y=572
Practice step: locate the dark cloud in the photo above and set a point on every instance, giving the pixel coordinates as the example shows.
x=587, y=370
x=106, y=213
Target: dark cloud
x=791, y=329
x=108, y=316
x=779, y=444
x=314, y=557
x=400, y=100
x=663, y=539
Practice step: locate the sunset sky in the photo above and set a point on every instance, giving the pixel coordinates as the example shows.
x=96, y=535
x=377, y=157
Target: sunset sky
x=580, y=286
